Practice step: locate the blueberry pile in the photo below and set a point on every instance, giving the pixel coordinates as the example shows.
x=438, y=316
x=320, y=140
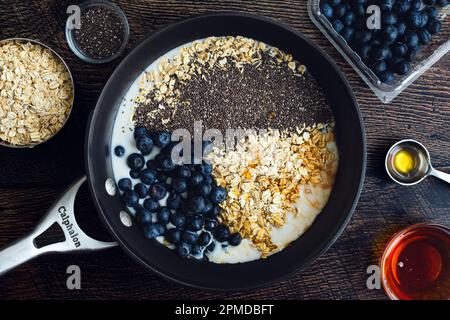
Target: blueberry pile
x=406, y=25
x=189, y=217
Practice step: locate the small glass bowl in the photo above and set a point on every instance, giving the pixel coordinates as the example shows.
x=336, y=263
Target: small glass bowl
x=71, y=38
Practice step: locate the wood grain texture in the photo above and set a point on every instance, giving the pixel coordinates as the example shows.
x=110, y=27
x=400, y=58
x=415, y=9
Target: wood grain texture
x=32, y=179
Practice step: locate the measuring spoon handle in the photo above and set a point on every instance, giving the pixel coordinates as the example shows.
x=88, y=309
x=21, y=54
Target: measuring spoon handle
x=441, y=175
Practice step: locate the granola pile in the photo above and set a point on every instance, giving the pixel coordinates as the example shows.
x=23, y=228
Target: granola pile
x=263, y=176
x=36, y=93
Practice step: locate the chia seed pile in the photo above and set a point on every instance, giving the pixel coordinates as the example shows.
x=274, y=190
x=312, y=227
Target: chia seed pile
x=101, y=34
x=268, y=95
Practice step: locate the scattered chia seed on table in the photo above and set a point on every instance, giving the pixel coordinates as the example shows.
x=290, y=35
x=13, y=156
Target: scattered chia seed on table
x=267, y=96
x=101, y=34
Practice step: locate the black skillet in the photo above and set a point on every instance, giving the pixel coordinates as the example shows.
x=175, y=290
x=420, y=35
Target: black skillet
x=302, y=252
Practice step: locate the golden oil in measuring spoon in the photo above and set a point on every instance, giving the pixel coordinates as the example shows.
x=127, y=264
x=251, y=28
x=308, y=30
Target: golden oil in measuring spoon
x=408, y=163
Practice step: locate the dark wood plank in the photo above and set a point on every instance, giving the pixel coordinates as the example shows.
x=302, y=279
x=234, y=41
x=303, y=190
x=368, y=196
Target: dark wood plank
x=32, y=179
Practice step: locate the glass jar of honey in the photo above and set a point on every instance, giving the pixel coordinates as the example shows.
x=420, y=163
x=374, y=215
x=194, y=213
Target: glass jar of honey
x=416, y=263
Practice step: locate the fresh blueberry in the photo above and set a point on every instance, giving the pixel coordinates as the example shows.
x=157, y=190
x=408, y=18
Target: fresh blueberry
x=189, y=237
x=339, y=11
x=387, y=4
x=141, y=189
x=211, y=247
x=388, y=18
x=347, y=33
x=161, y=139
x=235, y=239
x=386, y=77
x=195, y=223
x=136, y=161
x=164, y=162
x=392, y=62
x=134, y=174
x=163, y=215
x=414, y=19
x=203, y=190
x=179, y=185
x=130, y=198
x=402, y=67
x=144, y=144
x=411, y=39
x=402, y=6
x=153, y=230
x=173, y=235
x=434, y=26
x=429, y=2
x=205, y=169
x=143, y=216
x=412, y=54
x=442, y=3
x=221, y=233
x=399, y=49
x=183, y=172
x=140, y=132
x=196, y=204
x=204, y=239
x=425, y=20
x=208, y=179
x=218, y=195
x=337, y=25
x=424, y=36
x=432, y=12
x=157, y=191
x=195, y=179
x=359, y=10
x=364, y=52
x=119, y=151
x=178, y=220
x=214, y=213
x=161, y=176
x=401, y=28
x=348, y=18
x=390, y=34
x=334, y=3
x=162, y=228
x=196, y=250
x=379, y=66
x=210, y=224
x=125, y=184
x=151, y=205
x=208, y=206
x=415, y=5
x=362, y=36
x=173, y=201
x=148, y=176
x=326, y=10
x=183, y=249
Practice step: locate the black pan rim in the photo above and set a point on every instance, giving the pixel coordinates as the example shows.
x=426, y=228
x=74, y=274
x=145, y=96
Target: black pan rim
x=328, y=241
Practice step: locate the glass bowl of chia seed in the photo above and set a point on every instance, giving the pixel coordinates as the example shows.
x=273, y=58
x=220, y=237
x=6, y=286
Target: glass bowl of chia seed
x=99, y=33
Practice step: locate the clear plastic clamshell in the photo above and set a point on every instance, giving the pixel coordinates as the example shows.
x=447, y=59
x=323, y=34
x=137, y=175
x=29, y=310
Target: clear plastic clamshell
x=430, y=53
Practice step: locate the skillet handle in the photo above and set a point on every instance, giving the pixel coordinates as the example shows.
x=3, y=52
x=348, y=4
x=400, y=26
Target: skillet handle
x=62, y=213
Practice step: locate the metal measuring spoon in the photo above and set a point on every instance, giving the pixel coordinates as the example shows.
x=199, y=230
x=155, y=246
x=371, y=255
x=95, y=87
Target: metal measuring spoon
x=422, y=169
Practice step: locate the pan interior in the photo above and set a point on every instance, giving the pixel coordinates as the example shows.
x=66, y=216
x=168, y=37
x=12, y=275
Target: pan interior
x=113, y=115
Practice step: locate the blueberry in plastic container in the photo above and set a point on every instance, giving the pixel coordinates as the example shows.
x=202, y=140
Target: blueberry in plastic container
x=442, y=3
x=379, y=66
x=173, y=235
x=386, y=77
x=340, y=10
x=326, y=10
x=390, y=34
x=401, y=28
x=429, y=2
x=163, y=215
x=334, y=3
x=141, y=189
x=136, y=161
x=178, y=220
x=359, y=9
x=402, y=6
x=151, y=205
x=402, y=67
x=147, y=176
x=388, y=18
x=347, y=33
x=386, y=4
x=143, y=216
x=189, y=237
x=381, y=53
x=399, y=49
x=157, y=191
x=424, y=36
x=125, y=184
x=183, y=249
x=411, y=39
x=362, y=36
x=364, y=52
x=119, y=151
x=348, y=18
x=412, y=54
x=434, y=26
x=431, y=11
x=414, y=20
x=425, y=19
x=144, y=144
x=415, y=4
x=130, y=198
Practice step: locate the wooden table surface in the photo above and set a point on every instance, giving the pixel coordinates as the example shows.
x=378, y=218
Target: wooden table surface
x=32, y=179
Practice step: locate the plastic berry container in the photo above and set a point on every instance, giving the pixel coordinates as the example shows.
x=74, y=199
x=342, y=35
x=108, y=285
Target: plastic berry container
x=429, y=53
